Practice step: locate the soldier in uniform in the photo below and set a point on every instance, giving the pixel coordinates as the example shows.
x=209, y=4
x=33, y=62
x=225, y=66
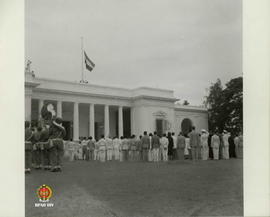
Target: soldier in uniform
x=56, y=134
x=45, y=149
x=28, y=136
x=37, y=149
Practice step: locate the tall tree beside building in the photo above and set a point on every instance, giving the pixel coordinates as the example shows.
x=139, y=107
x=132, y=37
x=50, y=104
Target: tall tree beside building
x=225, y=105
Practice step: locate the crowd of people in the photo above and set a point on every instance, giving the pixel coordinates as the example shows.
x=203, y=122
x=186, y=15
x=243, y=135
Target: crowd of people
x=154, y=148
x=45, y=147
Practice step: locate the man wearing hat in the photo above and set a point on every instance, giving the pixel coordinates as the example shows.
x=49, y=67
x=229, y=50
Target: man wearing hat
x=56, y=134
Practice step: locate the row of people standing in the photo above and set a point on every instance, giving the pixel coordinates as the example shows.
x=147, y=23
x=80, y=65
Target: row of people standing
x=151, y=147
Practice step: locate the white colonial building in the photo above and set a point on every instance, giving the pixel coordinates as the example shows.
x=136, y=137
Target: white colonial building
x=92, y=110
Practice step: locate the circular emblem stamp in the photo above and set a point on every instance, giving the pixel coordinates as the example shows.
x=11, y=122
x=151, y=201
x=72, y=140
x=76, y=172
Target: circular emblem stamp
x=44, y=193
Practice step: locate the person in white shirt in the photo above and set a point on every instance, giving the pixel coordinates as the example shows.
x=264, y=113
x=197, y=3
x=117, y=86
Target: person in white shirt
x=102, y=149
x=225, y=148
x=174, y=146
x=164, y=142
x=116, y=148
x=187, y=151
x=109, y=148
x=204, y=145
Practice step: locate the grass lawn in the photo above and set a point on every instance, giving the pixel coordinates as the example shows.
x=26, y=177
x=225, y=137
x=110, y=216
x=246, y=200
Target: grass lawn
x=204, y=188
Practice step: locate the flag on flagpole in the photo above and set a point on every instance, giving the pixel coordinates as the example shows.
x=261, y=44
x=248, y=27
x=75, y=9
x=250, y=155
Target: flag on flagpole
x=88, y=63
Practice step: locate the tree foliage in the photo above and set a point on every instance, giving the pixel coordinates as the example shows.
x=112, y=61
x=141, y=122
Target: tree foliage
x=225, y=105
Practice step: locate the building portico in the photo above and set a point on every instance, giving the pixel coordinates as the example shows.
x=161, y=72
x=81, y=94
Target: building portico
x=93, y=110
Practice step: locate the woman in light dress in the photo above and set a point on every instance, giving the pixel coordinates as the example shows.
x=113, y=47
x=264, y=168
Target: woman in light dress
x=204, y=145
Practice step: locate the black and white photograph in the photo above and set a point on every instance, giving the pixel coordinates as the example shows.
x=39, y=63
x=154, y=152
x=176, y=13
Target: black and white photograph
x=133, y=108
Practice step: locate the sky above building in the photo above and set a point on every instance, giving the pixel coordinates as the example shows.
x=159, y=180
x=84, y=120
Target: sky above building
x=182, y=45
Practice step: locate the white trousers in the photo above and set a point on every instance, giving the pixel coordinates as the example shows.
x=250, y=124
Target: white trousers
x=205, y=152
x=225, y=151
x=155, y=154
x=116, y=154
x=150, y=155
x=109, y=154
x=102, y=155
x=165, y=154
x=95, y=154
x=216, y=153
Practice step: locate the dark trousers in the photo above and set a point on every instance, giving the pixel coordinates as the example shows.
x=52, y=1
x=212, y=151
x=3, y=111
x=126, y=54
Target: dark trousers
x=91, y=154
x=37, y=157
x=45, y=159
x=195, y=153
x=56, y=153
x=175, y=157
x=180, y=153
x=145, y=154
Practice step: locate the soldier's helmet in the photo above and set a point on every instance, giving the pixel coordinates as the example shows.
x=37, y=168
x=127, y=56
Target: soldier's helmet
x=59, y=120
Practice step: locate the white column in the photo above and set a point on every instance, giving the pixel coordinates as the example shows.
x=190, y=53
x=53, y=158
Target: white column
x=76, y=122
x=120, y=121
x=59, y=109
x=106, y=121
x=28, y=105
x=92, y=120
x=40, y=105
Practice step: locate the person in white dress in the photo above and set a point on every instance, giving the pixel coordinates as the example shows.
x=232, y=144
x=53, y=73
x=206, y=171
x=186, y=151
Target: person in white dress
x=225, y=148
x=164, y=142
x=204, y=145
x=215, y=143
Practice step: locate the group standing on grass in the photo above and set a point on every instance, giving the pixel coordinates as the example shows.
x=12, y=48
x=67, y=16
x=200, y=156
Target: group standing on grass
x=44, y=147
x=154, y=148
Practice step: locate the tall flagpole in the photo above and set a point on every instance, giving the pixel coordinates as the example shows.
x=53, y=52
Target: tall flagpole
x=82, y=80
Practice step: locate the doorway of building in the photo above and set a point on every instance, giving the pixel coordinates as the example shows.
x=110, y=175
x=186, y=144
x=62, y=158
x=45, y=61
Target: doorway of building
x=160, y=127
x=186, y=126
